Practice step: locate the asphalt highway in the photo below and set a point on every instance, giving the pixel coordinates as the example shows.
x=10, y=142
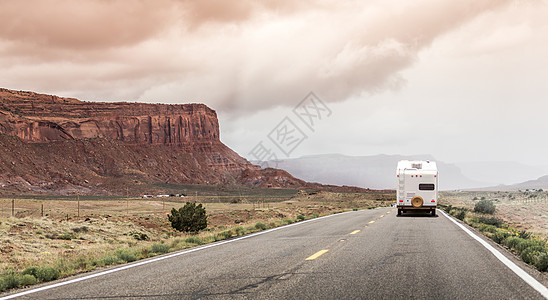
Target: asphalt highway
x=370, y=254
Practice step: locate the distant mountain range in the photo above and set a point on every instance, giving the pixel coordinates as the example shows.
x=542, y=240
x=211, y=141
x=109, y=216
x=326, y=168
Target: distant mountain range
x=539, y=183
x=378, y=171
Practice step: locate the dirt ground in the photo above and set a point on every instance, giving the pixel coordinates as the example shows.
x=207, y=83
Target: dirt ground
x=46, y=232
x=522, y=209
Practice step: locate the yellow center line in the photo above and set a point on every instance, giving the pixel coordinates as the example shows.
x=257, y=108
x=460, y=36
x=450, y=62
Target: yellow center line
x=317, y=254
x=355, y=231
x=371, y=222
x=382, y=216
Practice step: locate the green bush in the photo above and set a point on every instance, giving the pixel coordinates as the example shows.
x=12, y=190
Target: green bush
x=159, y=248
x=542, y=262
x=47, y=274
x=9, y=281
x=287, y=221
x=488, y=228
x=458, y=213
x=490, y=221
x=300, y=218
x=524, y=244
x=193, y=240
x=189, y=218
x=108, y=260
x=500, y=236
x=531, y=255
x=485, y=206
x=512, y=241
x=314, y=215
x=260, y=226
x=226, y=234
x=125, y=255
x=33, y=270
x=27, y=279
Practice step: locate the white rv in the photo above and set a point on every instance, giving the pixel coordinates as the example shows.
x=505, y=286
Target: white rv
x=417, y=183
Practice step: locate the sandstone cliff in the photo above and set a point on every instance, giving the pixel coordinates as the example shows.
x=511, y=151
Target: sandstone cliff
x=60, y=145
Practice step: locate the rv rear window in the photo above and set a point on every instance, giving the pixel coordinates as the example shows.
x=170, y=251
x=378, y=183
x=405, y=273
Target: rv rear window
x=426, y=186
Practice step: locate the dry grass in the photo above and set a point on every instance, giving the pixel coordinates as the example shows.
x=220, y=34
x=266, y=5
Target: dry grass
x=523, y=210
x=72, y=243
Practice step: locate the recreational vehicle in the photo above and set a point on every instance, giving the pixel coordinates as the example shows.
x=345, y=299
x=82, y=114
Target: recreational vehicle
x=417, y=186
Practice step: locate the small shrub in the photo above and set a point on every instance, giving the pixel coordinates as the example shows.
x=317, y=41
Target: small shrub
x=238, y=230
x=108, y=260
x=524, y=244
x=27, y=279
x=125, y=255
x=542, y=262
x=140, y=236
x=66, y=236
x=189, y=218
x=287, y=221
x=458, y=213
x=226, y=234
x=80, y=229
x=47, y=274
x=32, y=270
x=300, y=218
x=530, y=255
x=354, y=209
x=159, y=248
x=314, y=215
x=145, y=253
x=524, y=234
x=193, y=240
x=484, y=206
x=488, y=228
x=9, y=281
x=490, y=221
x=260, y=226
x=512, y=242
x=499, y=236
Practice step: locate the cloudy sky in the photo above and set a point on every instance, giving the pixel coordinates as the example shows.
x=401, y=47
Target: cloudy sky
x=461, y=80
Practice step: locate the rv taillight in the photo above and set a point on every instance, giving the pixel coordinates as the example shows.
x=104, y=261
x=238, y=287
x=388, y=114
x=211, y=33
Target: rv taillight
x=401, y=200
x=398, y=175
x=435, y=175
x=421, y=175
x=433, y=200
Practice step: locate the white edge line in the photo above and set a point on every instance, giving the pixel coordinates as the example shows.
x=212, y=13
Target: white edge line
x=539, y=287
x=133, y=265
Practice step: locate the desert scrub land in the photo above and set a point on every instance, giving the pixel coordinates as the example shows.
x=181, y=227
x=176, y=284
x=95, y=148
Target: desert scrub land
x=524, y=209
x=38, y=246
x=516, y=220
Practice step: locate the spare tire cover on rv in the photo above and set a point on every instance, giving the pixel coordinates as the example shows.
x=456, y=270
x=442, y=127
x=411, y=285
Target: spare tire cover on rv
x=417, y=201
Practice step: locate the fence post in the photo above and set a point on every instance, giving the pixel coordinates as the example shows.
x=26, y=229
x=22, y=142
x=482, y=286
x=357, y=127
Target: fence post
x=12, y=207
x=42, y=210
x=78, y=194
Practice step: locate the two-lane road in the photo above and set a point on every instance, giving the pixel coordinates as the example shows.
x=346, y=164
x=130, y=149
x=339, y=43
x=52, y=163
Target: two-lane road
x=365, y=254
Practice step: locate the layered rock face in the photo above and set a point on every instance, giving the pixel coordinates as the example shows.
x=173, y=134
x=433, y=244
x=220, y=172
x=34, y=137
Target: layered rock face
x=43, y=118
x=59, y=145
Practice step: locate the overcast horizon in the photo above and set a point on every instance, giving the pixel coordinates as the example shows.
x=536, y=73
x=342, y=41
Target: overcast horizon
x=459, y=80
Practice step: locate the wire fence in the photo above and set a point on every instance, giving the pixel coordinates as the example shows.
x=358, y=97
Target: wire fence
x=58, y=209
